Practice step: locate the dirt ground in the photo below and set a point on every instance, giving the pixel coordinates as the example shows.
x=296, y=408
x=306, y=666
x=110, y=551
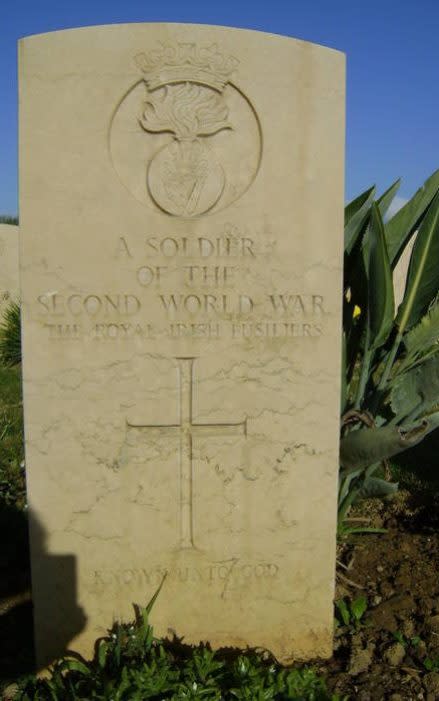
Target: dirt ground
x=392, y=653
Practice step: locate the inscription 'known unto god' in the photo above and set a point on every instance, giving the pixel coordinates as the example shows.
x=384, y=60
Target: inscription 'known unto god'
x=230, y=571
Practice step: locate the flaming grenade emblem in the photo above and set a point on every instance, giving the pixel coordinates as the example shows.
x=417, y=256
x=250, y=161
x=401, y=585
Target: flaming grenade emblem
x=185, y=98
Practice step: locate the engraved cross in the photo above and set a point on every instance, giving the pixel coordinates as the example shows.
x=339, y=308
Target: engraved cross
x=188, y=430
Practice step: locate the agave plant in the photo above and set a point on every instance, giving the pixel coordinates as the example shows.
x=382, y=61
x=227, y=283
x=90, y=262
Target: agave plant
x=390, y=393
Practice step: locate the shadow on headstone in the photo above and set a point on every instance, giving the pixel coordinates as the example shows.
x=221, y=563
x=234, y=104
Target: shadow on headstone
x=54, y=576
x=55, y=579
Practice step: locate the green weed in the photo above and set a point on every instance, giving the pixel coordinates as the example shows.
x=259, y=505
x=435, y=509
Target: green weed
x=130, y=664
x=351, y=612
x=431, y=664
x=407, y=642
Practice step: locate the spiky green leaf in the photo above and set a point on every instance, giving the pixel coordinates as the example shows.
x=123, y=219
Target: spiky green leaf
x=151, y=602
x=400, y=227
x=363, y=447
x=421, y=337
x=358, y=607
x=405, y=397
x=374, y=487
x=416, y=389
x=381, y=305
x=423, y=274
x=70, y=664
x=102, y=653
x=355, y=205
x=343, y=611
x=356, y=215
x=386, y=198
x=344, y=384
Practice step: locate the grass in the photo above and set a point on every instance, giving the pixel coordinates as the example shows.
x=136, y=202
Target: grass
x=12, y=475
x=131, y=665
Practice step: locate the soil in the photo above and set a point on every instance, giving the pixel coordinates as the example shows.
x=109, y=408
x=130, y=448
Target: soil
x=392, y=653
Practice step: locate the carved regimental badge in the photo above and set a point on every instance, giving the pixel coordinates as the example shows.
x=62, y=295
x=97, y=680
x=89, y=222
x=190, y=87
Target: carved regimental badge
x=185, y=139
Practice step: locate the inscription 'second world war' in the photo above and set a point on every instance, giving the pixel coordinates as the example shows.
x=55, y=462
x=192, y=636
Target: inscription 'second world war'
x=181, y=270
x=188, y=100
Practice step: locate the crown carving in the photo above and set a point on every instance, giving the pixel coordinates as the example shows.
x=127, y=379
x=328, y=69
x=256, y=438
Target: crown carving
x=186, y=63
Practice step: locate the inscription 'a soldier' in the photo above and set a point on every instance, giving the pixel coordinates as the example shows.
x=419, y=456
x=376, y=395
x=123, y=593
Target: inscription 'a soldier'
x=187, y=430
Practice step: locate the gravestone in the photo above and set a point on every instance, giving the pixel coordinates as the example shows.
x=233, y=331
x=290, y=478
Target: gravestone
x=400, y=272
x=181, y=191
x=9, y=278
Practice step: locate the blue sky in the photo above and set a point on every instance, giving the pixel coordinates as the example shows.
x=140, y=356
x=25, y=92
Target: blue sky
x=392, y=52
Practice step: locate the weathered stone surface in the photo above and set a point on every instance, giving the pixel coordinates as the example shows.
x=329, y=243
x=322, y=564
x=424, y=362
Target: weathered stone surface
x=182, y=204
x=9, y=277
x=400, y=273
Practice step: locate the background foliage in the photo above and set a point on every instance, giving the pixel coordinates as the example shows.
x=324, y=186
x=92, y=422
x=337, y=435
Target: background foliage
x=12, y=473
x=5, y=219
x=390, y=396
x=10, y=335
